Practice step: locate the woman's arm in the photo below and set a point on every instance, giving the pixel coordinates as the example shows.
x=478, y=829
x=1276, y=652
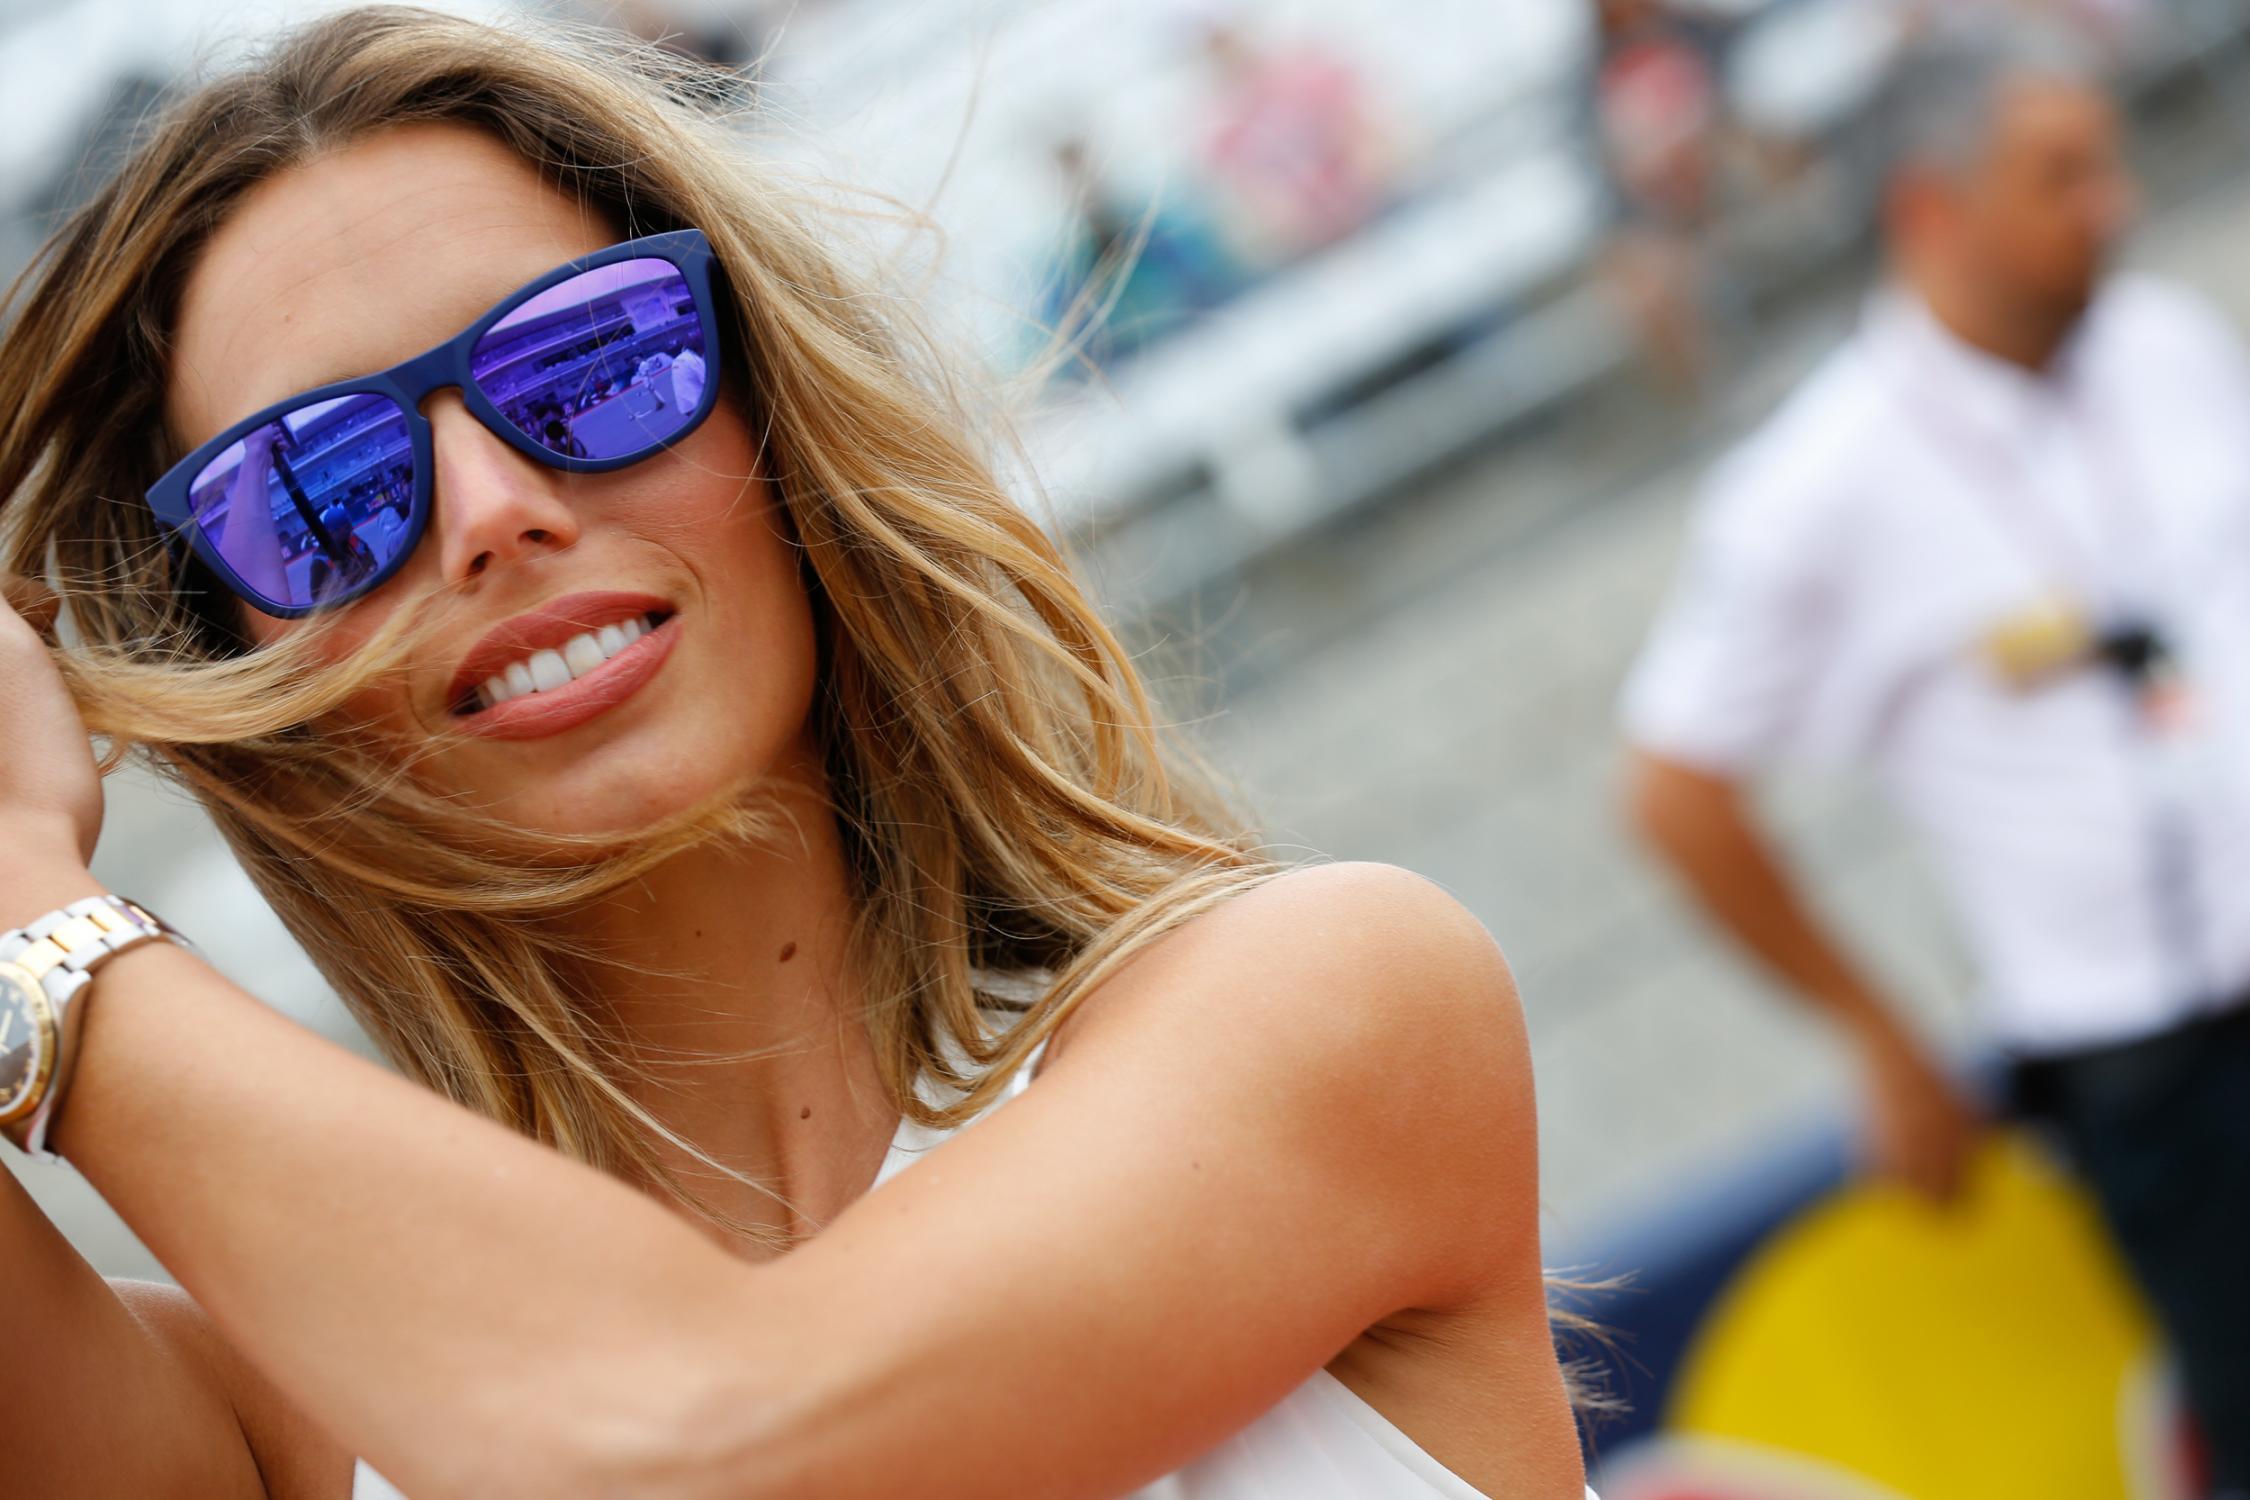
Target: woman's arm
x=466, y=1306
x=1051, y=1301
x=1297, y=1115
x=100, y=1392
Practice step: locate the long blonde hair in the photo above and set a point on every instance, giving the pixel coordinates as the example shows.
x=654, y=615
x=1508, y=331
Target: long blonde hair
x=1007, y=798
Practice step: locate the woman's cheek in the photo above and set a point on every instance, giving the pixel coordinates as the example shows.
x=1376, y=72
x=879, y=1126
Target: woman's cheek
x=385, y=704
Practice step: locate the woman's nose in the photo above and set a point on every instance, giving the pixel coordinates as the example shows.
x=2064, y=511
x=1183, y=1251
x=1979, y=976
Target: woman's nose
x=490, y=505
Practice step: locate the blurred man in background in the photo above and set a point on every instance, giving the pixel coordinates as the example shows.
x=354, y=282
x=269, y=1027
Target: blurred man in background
x=1998, y=548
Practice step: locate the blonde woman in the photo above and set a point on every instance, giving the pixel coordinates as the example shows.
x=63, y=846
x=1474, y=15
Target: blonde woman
x=724, y=826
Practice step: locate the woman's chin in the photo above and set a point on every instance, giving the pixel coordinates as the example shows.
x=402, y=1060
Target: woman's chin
x=644, y=782
x=612, y=812
x=620, y=824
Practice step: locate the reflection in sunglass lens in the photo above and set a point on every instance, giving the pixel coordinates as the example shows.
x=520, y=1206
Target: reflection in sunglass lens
x=310, y=505
x=607, y=364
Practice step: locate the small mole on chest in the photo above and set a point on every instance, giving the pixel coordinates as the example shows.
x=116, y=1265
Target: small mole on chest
x=805, y=1113
x=788, y=951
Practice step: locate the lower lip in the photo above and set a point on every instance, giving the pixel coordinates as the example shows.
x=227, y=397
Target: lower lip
x=537, y=715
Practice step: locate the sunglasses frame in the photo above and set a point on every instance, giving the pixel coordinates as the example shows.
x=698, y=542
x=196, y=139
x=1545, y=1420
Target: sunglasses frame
x=409, y=383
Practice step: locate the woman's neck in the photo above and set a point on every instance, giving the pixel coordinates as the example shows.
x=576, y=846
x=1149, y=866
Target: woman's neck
x=758, y=1045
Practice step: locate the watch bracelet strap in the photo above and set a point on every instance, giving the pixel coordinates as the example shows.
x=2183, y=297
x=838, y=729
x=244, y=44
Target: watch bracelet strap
x=61, y=948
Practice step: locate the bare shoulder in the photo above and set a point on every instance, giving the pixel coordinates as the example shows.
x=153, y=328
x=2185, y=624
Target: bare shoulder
x=296, y=1458
x=1368, y=953
x=1361, y=1013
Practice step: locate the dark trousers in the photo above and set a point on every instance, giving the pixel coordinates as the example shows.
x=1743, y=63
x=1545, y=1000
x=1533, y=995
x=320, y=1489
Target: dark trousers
x=2159, y=1129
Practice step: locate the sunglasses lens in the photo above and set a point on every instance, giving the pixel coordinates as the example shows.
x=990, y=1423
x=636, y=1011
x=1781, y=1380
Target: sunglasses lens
x=312, y=505
x=608, y=364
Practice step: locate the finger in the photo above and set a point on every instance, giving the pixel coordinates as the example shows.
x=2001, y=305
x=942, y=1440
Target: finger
x=33, y=600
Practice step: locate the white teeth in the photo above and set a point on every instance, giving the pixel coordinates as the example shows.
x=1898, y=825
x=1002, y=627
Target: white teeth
x=549, y=671
x=544, y=671
x=583, y=653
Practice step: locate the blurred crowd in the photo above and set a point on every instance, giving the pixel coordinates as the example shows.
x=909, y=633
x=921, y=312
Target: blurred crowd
x=1682, y=148
x=1292, y=155
x=1697, y=118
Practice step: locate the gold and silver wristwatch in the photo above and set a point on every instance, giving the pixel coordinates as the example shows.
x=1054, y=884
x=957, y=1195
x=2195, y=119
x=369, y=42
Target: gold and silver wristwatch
x=44, y=971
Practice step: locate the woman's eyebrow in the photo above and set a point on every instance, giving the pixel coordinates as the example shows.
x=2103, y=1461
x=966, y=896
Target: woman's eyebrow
x=329, y=372
x=333, y=371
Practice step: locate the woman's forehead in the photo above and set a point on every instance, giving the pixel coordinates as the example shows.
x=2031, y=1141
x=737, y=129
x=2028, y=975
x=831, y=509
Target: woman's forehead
x=356, y=260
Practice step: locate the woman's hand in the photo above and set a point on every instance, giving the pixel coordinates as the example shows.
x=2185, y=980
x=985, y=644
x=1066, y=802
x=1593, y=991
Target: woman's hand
x=50, y=791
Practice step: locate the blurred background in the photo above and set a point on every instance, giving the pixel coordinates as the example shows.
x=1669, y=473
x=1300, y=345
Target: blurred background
x=1383, y=446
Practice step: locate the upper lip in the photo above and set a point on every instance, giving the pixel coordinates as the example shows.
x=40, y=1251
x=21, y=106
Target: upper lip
x=548, y=626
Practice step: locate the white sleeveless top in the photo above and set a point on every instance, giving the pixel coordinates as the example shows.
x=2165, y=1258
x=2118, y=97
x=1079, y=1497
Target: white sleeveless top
x=1319, y=1442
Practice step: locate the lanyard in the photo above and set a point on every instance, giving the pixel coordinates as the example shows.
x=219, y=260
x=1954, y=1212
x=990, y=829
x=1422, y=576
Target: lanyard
x=2001, y=482
x=2132, y=643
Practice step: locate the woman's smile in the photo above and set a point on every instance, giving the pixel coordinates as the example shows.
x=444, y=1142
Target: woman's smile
x=553, y=670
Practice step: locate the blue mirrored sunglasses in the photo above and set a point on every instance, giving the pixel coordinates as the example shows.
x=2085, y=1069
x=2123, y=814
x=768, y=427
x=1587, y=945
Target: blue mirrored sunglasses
x=318, y=499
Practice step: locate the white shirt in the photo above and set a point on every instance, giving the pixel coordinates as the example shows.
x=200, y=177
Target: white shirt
x=1851, y=559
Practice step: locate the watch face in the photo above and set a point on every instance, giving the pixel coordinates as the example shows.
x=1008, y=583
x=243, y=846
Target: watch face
x=27, y=1040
